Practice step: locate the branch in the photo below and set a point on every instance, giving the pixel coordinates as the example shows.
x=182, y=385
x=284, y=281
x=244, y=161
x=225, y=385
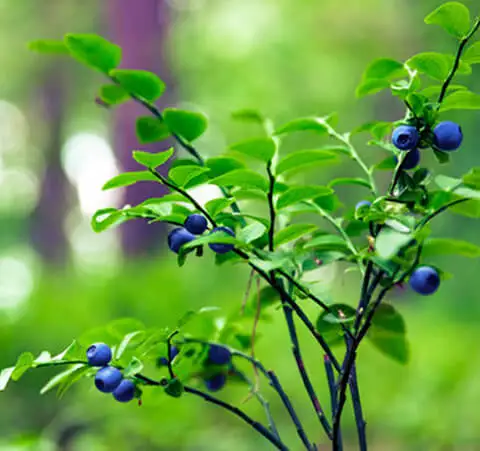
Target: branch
x=239, y=413
x=428, y=218
x=456, y=62
x=271, y=206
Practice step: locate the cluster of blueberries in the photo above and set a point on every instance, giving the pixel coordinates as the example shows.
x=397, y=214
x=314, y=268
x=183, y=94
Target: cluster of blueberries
x=217, y=356
x=447, y=136
x=194, y=225
x=108, y=378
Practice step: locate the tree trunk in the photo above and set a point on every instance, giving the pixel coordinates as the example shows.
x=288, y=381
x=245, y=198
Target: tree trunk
x=47, y=220
x=140, y=28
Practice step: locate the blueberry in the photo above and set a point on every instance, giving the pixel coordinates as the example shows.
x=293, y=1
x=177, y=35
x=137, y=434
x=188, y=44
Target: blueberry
x=215, y=382
x=447, y=136
x=220, y=248
x=411, y=160
x=363, y=203
x=405, y=137
x=108, y=378
x=125, y=391
x=99, y=354
x=196, y=224
x=178, y=237
x=219, y=355
x=425, y=280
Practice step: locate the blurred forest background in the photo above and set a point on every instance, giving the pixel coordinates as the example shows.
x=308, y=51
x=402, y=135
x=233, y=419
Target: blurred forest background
x=58, y=278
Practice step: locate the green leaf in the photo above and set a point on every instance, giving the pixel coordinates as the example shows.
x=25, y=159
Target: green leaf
x=61, y=377
x=74, y=351
x=389, y=242
x=249, y=115
x=329, y=323
x=221, y=165
x=132, y=339
x=151, y=129
x=434, y=90
x=301, y=193
x=371, y=86
x=454, y=17
x=461, y=100
x=187, y=124
x=436, y=65
x=113, y=94
x=189, y=175
x=319, y=125
x=134, y=367
x=251, y=232
x=94, y=51
x=142, y=83
x=472, y=54
x=243, y=178
x=5, y=376
x=152, y=160
x=174, y=388
x=262, y=149
x=305, y=159
x=24, y=363
x=388, y=333
x=216, y=206
x=48, y=46
x=472, y=178
x=293, y=232
x=327, y=242
x=385, y=68
x=449, y=246
x=216, y=237
x=349, y=181
x=378, y=129
x=387, y=164
x=123, y=326
x=73, y=377
x=129, y=178
x=105, y=218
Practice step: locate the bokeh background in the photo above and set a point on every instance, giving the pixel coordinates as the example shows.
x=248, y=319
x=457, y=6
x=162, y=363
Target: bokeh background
x=58, y=278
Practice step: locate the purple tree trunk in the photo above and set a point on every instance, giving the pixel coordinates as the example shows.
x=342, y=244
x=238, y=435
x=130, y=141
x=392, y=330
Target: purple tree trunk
x=140, y=28
x=47, y=220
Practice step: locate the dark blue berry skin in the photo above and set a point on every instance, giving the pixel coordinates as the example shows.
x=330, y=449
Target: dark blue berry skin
x=196, y=224
x=447, y=136
x=411, y=159
x=405, y=137
x=363, y=203
x=178, y=237
x=108, y=378
x=216, y=382
x=219, y=355
x=425, y=280
x=220, y=248
x=125, y=391
x=99, y=354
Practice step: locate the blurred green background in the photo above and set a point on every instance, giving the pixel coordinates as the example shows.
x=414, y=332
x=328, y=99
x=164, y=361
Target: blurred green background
x=57, y=278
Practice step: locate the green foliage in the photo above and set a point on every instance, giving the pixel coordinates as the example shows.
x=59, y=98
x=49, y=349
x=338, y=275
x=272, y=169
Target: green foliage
x=262, y=149
x=152, y=160
x=186, y=124
x=48, y=46
x=113, y=94
x=141, y=83
x=94, y=51
x=454, y=17
x=151, y=129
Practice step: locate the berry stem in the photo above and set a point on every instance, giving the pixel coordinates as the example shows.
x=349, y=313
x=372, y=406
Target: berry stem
x=456, y=62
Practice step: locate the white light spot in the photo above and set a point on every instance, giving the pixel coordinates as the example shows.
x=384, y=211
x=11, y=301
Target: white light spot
x=13, y=127
x=16, y=282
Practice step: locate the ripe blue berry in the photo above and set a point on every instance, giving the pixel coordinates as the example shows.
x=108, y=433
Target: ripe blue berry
x=363, y=203
x=178, y=237
x=447, y=136
x=411, y=160
x=405, y=137
x=99, y=354
x=219, y=355
x=220, y=248
x=196, y=224
x=215, y=382
x=425, y=280
x=125, y=391
x=108, y=378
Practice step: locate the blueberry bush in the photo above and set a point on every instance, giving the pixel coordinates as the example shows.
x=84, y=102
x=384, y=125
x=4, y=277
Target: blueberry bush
x=258, y=220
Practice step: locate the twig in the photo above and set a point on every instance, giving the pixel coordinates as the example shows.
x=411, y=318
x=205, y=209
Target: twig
x=332, y=386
